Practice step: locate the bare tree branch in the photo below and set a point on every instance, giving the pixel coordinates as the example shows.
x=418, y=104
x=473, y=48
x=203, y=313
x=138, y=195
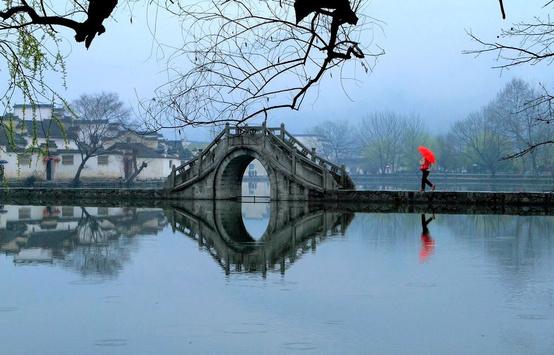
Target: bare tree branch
x=249, y=58
x=527, y=150
x=525, y=43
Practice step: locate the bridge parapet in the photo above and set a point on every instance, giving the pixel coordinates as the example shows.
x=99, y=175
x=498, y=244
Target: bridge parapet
x=296, y=170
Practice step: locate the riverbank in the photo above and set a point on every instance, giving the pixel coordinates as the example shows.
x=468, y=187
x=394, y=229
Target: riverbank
x=356, y=201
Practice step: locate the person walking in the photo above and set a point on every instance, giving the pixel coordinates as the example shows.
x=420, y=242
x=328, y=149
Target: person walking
x=427, y=159
x=424, y=166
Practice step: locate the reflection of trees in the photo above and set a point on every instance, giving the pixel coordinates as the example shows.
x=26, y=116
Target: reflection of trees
x=519, y=245
x=516, y=243
x=88, y=230
x=387, y=230
x=104, y=244
x=102, y=259
x=97, y=251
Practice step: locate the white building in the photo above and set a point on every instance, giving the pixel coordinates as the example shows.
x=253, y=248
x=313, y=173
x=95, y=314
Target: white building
x=35, y=144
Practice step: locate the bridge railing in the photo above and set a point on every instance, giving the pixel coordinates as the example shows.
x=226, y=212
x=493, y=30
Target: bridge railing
x=311, y=155
x=185, y=171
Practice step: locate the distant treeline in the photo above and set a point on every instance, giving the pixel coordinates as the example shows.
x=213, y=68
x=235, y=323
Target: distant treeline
x=504, y=136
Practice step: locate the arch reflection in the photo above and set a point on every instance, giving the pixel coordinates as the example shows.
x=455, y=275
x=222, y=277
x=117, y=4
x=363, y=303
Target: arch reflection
x=293, y=229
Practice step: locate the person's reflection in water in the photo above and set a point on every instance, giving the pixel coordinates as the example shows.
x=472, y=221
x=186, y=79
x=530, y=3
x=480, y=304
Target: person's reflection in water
x=427, y=243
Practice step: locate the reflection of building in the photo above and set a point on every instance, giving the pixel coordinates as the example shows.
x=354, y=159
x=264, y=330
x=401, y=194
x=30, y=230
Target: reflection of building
x=58, y=234
x=59, y=157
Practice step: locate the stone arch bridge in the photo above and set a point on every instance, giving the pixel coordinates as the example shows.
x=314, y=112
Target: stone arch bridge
x=294, y=171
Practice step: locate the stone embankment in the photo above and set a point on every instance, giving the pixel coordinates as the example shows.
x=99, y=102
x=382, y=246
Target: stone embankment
x=541, y=203
x=443, y=197
x=81, y=196
x=355, y=201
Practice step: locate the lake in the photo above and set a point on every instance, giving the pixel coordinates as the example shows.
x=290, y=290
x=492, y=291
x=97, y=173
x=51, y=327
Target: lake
x=226, y=277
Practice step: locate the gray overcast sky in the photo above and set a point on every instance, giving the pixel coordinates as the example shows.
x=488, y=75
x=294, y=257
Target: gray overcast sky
x=423, y=71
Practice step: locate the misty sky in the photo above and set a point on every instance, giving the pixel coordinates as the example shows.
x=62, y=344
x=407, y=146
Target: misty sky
x=423, y=71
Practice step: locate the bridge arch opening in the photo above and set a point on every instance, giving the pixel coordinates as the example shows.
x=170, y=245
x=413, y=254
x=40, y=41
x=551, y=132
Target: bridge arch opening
x=255, y=183
x=254, y=200
x=244, y=173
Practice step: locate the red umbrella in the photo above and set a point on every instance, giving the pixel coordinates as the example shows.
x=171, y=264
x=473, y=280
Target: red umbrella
x=427, y=154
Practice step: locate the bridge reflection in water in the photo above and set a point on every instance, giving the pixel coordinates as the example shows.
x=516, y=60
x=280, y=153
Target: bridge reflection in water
x=293, y=229
x=96, y=241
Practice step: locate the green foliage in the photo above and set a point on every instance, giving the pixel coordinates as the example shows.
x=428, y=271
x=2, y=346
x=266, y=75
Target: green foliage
x=29, y=54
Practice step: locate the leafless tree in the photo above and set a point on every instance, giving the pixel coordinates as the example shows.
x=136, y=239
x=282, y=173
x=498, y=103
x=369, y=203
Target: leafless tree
x=518, y=119
x=379, y=136
x=482, y=141
x=450, y=153
x=526, y=42
x=338, y=138
x=97, y=117
x=415, y=133
x=391, y=139
x=250, y=57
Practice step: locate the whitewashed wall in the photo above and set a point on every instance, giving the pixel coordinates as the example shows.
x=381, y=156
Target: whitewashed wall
x=28, y=113
x=158, y=168
x=13, y=170
x=60, y=143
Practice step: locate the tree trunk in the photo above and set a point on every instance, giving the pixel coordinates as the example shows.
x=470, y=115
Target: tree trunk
x=136, y=173
x=534, y=163
x=77, y=179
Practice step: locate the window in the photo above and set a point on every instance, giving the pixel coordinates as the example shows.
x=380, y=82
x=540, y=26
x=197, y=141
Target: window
x=23, y=159
x=170, y=163
x=67, y=159
x=103, y=211
x=25, y=213
x=68, y=211
x=103, y=160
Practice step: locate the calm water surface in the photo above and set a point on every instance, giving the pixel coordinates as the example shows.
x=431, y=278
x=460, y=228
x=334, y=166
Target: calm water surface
x=265, y=278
